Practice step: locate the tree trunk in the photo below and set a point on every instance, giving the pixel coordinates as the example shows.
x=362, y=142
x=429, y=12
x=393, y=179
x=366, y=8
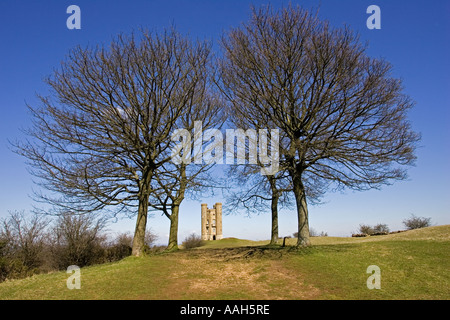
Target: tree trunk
x=141, y=221
x=274, y=208
x=302, y=212
x=141, y=224
x=173, y=235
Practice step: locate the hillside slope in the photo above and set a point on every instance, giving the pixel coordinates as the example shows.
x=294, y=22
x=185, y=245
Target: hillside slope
x=413, y=264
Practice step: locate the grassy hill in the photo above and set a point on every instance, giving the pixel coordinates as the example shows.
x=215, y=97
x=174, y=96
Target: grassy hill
x=413, y=264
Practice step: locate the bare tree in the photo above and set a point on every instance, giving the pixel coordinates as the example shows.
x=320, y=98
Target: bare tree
x=100, y=136
x=174, y=184
x=342, y=116
x=416, y=222
x=176, y=179
x=254, y=192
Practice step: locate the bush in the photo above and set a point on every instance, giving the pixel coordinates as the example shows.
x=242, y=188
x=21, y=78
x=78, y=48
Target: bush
x=381, y=229
x=26, y=237
x=4, y=261
x=378, y=229
x=77, y=240
x=416, y=222
x=22, y=245
x=312, y=233
x=30, y=245
x=365, y=229
x=119, y=248
x=193, y=241
x=149, y=240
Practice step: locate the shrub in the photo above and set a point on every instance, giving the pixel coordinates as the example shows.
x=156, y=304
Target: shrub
x=78, y=241
x=119, y=248
x=416, y=222
x=29, y=245
x=381, y=229
x=22, y=245
x=312, y=233
x=192, y=241
x=26, y=237
x=4, y=262
x=150, y=239
x=378, y=229
x=365, y=229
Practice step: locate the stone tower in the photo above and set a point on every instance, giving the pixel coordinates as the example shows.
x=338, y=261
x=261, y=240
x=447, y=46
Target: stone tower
x=212, y=222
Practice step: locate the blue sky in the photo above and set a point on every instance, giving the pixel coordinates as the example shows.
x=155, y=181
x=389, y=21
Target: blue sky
x=414, y=37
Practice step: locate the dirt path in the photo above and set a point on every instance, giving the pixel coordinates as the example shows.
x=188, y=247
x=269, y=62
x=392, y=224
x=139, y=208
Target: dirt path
x=245, y=273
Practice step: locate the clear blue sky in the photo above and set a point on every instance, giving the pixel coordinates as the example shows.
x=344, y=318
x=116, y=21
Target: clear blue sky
x=414, y=37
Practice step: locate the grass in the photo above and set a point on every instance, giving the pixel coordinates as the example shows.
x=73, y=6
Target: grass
x=413, y=264
x=409, y=270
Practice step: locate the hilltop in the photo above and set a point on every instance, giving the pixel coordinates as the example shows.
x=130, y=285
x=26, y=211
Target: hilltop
x=414, y=265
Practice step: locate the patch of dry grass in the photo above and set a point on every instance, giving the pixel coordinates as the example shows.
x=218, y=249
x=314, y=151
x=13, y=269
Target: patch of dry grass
x=239, y=273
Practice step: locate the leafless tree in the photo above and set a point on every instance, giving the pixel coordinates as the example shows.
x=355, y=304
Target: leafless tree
x=174, y=180
x=416, y=222
x=254, y=192
x=101, y=134
x=174, y=184
x=342, y=116
x=249, y=189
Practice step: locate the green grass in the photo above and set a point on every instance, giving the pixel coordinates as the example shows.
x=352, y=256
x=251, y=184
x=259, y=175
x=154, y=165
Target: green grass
x=409, y=269
x=129, y=278
x=231, y=243
x=413, y=264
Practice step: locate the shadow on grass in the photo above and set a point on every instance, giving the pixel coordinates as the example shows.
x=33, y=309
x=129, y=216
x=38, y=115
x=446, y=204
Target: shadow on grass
x=260, y=252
